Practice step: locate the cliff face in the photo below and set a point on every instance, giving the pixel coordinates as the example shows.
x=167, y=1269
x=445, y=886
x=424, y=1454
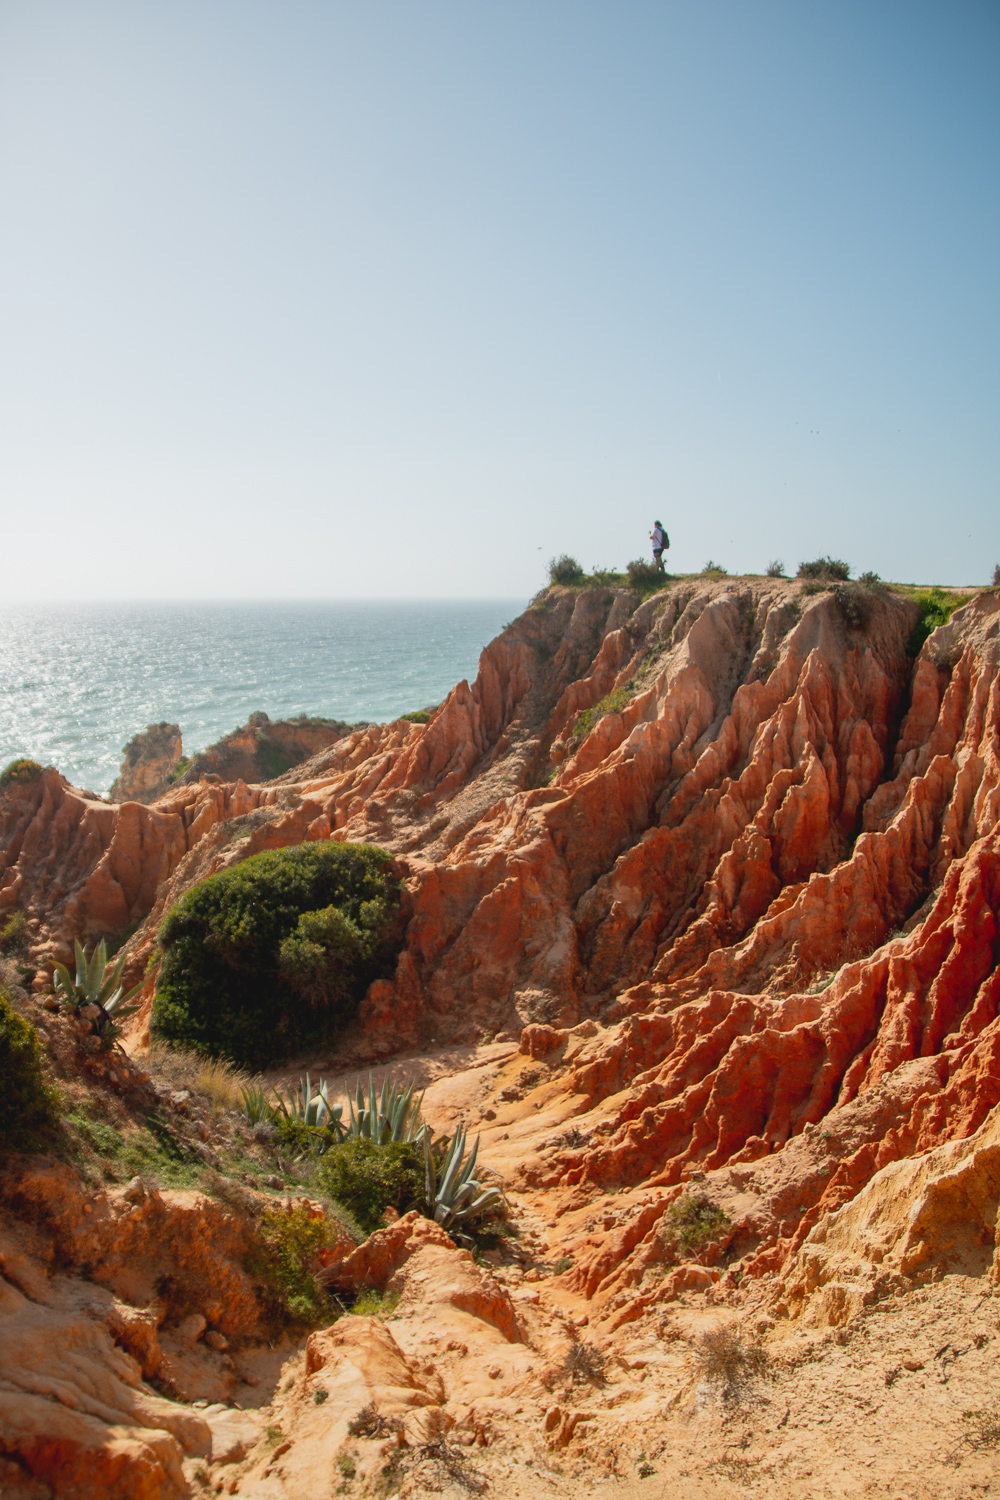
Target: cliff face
x=724, y=866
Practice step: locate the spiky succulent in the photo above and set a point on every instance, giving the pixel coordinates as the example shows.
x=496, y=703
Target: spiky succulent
x=91, y=986
x=256, y=1105
x=309, y=1106
x=396, y=1116
x=453, y=1196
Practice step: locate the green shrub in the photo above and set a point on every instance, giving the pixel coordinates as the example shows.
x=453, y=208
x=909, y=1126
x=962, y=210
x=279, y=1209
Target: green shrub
x=28, y=1104
x=565, y=569
x=367, y=1179
x=418, y=716
x=996, y=575
x=287, y=1258
x=715, y=570
x=775, y=568
x=936, y=608
x=584, y=1364
x=644, y=576
x=276, y=952
x=692, y=1222
x=14, y=934
x=614, y=703
x=20, y=773
x=826, y=569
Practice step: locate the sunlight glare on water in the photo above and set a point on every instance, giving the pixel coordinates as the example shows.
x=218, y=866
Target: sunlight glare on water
x=78, y=680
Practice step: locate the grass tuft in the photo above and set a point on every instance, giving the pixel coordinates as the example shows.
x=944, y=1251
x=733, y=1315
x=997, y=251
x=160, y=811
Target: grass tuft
x=371, y=1303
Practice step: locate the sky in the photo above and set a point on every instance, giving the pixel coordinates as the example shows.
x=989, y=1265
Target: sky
x=401, y=298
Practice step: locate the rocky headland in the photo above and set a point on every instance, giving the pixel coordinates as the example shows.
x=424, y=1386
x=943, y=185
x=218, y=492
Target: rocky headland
x=155, y=761
x=700, y=906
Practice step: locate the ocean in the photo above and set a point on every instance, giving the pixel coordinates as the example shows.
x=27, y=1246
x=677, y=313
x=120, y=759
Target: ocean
x=77, y=681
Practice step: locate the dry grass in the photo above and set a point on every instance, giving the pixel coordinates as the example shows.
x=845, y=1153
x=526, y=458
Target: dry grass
x=584, y=1365
x=983, y=1428
x=219, y=1082
x=725, y=1359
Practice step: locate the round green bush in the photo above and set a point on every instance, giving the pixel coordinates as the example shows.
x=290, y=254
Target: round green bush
x=274, y=954
x=20, y=773
x=366, y=1178
x=566, y=570
x=27, y=1102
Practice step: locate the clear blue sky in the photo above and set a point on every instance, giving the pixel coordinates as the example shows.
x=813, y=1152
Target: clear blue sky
x=404, y=296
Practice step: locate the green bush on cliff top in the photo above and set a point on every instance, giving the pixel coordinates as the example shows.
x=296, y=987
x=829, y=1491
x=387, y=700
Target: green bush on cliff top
x=269, y=956
x=20, y=773
x=565, y=570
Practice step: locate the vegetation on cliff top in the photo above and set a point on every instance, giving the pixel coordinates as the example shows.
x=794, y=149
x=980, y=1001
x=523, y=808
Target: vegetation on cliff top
x=936, y=608
x=275, y=953
x=20, y=773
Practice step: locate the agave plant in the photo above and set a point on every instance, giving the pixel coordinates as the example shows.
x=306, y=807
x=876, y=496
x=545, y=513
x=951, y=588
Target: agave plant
x=453, y=1196
x=108, y=1024
x=310, y=1106
x=396, y=1116
x=256, y=1105
x=91, y=987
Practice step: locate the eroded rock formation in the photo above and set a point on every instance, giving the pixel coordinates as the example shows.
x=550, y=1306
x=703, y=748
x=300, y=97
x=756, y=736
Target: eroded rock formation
x=150, y=764
x=723, y=868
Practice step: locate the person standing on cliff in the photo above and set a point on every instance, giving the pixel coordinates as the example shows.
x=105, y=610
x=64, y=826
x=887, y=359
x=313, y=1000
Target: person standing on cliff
x=660, y=542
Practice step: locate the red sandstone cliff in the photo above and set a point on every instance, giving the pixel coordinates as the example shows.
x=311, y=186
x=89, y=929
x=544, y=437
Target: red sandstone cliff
x=712, y=872
x=744, y=928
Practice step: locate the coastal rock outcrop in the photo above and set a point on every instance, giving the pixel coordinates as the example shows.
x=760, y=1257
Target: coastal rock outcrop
x=150, y=764
x=260, y=750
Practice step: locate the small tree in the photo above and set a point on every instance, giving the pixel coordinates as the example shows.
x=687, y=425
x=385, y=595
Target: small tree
x=825, y=570
x=565, y=569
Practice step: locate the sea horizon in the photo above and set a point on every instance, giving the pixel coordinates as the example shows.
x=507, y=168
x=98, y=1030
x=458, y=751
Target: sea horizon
x=79, y=678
